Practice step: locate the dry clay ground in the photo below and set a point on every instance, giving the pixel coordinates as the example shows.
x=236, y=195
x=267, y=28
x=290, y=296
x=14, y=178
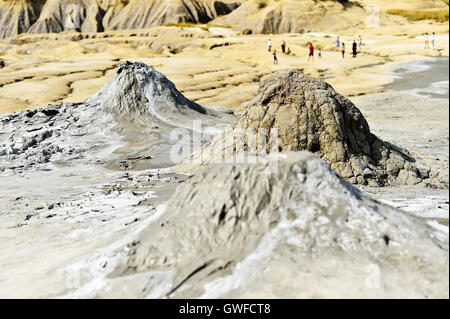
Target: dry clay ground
x=215, y=67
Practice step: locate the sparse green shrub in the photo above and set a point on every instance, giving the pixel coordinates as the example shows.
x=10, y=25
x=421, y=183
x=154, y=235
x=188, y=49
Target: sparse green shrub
x=440, y=15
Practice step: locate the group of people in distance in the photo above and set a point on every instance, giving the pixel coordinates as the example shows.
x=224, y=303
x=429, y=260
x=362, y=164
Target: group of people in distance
x=275, y=57
x=339, y=46
x=427, y=40
x=356, y=46
x=274, y=53
x=311, y=50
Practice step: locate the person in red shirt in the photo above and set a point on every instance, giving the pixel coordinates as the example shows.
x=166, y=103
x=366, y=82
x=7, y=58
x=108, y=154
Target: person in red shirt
x=311, y=51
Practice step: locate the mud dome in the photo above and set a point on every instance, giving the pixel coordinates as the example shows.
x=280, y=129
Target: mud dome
x=253, y=227
x=298, y=112
x=129, y=119
x=292, y=212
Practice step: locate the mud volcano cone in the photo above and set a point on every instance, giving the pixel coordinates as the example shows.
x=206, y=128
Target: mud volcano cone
x=138, y=104
x=308, y=114
x=137, y=90
x=232, y=224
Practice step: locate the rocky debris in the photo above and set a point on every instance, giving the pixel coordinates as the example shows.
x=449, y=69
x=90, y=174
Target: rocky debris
x=47, y=16
x=292, y=112
x=258, y=210
x=32, y=138
x=137, y=101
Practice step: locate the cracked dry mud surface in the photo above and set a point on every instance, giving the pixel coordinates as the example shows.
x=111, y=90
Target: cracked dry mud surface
x=83, y=223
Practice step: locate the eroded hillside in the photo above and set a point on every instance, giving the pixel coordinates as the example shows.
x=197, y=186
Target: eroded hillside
x=44, y=16
x=248, y=16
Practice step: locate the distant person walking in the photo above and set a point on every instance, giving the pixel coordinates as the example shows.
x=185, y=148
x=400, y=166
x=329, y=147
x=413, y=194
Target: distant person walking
x=275, y=57
x=427, y=41
x=311, y=52
x=269, y=45
x=343, y=50
x=319, y=53
x=283, y=46
x=338, y=44
x=354, y=48
x=433, y=39
x=360, y=43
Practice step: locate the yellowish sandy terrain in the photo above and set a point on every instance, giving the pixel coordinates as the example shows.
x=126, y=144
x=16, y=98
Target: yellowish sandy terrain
x=214, y=66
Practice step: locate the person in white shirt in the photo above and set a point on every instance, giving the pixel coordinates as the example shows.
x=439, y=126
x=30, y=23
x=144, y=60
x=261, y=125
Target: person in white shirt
x=427, y=41
x=433, y=39
x=269, y=45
